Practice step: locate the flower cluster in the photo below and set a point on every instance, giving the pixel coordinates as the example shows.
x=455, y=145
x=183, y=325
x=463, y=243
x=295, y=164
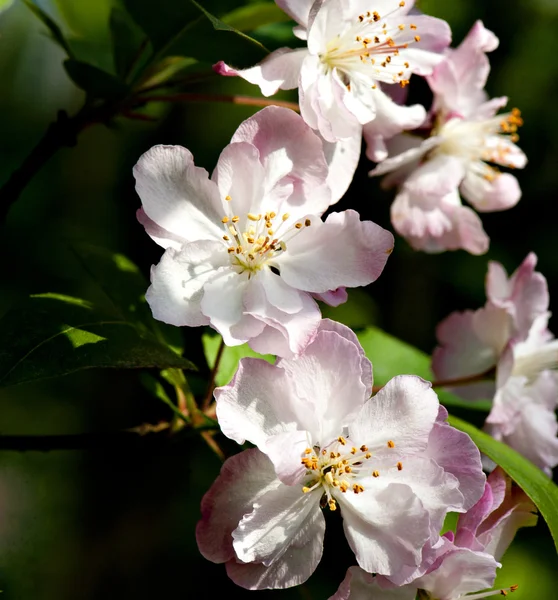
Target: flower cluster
x=509, y=334
x=250, y=250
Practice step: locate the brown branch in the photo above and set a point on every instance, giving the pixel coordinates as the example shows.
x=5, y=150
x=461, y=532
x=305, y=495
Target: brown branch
x=211, y=386
x=241, y=100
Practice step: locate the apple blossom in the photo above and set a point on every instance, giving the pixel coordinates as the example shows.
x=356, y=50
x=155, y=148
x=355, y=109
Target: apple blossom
x=466, y=561
x=354, y=50
x=464, y=134
x=322, y=442
x=246, y=251
x=509, y=334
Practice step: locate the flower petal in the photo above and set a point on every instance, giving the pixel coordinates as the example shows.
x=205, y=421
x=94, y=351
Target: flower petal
x=277, y=518
x=403, y=411
x=244, y=478
x=386, y=531
x=287, y=146
x=292, y=567
x=277, y=71
x=488, y=195
x=360, y=585
x=259, y=403
x=342, y=158
x=177, y=195
x=342, y=252
x=160, y=236
x=178, y=281
x=329, y=369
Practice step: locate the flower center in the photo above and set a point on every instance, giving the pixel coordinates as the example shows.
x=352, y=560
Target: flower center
x=255, y=240
x=486, y=141
x=339, y=466
x=374, y=47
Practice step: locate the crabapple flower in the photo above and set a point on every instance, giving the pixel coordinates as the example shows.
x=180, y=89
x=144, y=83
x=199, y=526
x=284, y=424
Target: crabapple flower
x=465, y=137
x=352, y=52
x=323, y=443
x=509, y=334
x=246, y=251
x=466, y=561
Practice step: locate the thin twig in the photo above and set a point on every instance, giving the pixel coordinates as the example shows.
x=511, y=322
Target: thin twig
x=241, y=100
x=211, y=386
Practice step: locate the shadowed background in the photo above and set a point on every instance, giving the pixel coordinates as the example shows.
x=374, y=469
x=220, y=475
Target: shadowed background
x=118, y=522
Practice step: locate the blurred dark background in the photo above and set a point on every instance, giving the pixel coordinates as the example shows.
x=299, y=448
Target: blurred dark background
x=119, y=523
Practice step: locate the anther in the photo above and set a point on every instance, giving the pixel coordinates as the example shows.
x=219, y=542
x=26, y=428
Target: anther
x=225, y=220
x=332, y=505
x=235, y=219
x=376, y=16
x=390, y=444
x=341, y=440
x=402, y=4
x=348, y=469
x=226, y=238
x=353, y=450
x=308, y=222
x=230, y=250
x=368, y=455
x=285, y=216
x=417, y=38
x=357, y=488
x=399, y=466
x=298, y=226
x=375, y=473
x=412, y=26
x=305, y=489
x=228, y=198
x=253, y=217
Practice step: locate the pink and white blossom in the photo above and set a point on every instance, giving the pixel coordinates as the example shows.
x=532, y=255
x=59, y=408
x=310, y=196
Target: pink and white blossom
x=246, y=251
x=466, y=560
x=353, y=53
x=509, y=334
x=465, y=137
x=323, y=443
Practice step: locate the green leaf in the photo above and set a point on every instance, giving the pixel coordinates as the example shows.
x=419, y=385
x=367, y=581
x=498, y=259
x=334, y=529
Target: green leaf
x=230, y=357
x=54, y=29
x=391, y=356
x=5, y=4
x=129, y=42
x=252, y=16
x=122, y=287
x=540, y=488
x=96, y=82
x=51, y=335
x=188, y=29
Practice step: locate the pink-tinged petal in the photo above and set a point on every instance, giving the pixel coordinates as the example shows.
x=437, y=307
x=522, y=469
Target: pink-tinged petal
x=458, y=82
x=462, y=571
x=524, y=295
x=489, y=108
x=222, y=303
x=280, y=295
x=385, y=531
x=240, y=175
x=309, y=74
x=286, y=450
x=360, y=585
x=293, y=567
x=391, y=119
x=298, y=10
x=342, y=252
x=435, y=36
x=340, y=115
x=342, y=158
x=436, y=489
x=435, y=225
x=177, y=195
x=161, y=236
x=405, y=153
x=403, y=411
x=438, y=176
x=258, y=404
x=503, y=151
x=265, y=534
x=244, y=478
x=349, y=334
x=489, y=195
x=470, y=342
x=277, y=71
x=178, y=281
x=285, y=334
x=361, y=99
x=330, y=368
x=456, y=453
x=287, y=144
x=512, y=511
x=333, y=297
